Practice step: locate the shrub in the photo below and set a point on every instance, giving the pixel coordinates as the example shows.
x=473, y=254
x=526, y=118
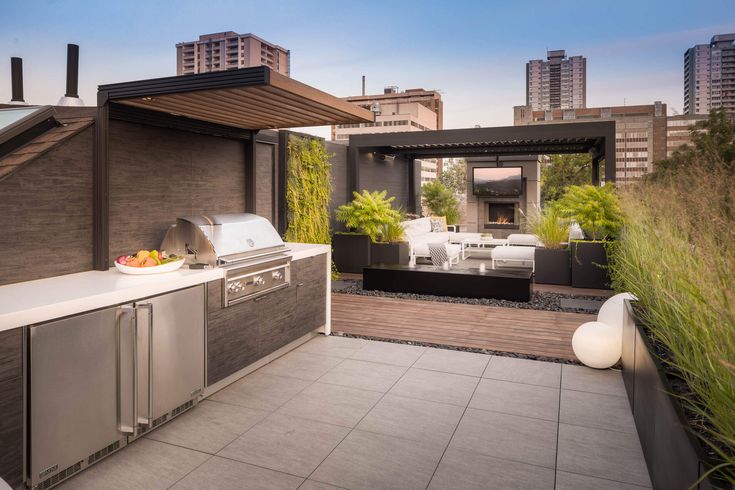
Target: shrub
x=596, y=209
x=549, y=226
x=441, y=201
x=308, y=189
x=369, y=213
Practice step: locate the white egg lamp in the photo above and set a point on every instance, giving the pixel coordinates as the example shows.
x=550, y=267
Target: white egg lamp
x=599, y=344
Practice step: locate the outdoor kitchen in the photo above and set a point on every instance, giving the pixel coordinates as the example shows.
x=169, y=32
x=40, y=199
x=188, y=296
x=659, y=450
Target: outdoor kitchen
x=97, y=351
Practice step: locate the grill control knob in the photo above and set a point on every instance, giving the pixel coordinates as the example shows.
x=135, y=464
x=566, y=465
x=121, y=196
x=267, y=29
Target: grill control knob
x=277, y=275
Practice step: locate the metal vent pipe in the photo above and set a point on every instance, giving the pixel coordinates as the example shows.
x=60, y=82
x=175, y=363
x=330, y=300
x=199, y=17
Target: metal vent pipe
x=16, y=80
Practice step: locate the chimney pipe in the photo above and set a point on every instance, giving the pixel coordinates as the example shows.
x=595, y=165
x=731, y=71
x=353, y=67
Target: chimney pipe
x=363, y=85
x=72, y=77
x=16, y=81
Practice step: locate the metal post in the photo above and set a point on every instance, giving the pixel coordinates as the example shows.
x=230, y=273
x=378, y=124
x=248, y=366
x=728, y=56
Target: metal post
x=250, y=177
x=596, y=171
x=101, y=187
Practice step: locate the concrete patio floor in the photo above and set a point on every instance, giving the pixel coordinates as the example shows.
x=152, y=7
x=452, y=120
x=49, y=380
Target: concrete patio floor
x=350, y=413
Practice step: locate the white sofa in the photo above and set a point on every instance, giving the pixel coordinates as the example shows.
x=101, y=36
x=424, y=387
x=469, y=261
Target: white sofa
x=418, y=234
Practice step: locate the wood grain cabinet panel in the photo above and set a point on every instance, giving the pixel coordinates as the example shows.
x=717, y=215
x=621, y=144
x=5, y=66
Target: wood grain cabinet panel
x=11, y=406
x=11, y=354
x=276, y=327
x=243, y=333
x=11, y=431
x=311, y=281
x=232, y=338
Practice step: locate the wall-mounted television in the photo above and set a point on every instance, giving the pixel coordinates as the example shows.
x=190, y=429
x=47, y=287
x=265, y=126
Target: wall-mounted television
x=497, y=181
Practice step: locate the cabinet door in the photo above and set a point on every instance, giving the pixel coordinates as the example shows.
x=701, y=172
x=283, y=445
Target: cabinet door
x=275, y=312
x=232, y=335
x=171, y=343
x=73, y=393
x=310, y=276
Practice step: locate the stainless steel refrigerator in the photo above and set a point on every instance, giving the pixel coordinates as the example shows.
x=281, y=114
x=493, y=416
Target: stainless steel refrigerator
x=100, y=379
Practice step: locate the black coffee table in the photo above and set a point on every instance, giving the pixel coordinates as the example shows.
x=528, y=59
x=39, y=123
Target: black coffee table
x=513, y=284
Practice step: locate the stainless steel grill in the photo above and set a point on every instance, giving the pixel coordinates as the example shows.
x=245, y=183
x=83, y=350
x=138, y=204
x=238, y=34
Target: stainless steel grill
x=245, y=245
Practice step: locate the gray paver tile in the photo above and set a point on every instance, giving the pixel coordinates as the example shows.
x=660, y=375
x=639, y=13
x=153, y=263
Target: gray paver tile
x=524, y=371
x=504, y=436
x=335, y=404
x=435, y=386
x=225, y=473
x=595, y=410
x=539, y=402
x=260, y=391
x=582, y=378
x=301, y=365
x=389, y=353
x=368, y=461
x=601, y=453
x=452, y=361
x=365, y=375
x=288, y=444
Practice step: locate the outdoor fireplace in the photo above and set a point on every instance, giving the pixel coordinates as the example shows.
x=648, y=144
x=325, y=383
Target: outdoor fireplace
x=501, y=215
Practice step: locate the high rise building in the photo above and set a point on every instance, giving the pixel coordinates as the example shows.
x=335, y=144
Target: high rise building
x=411, y=110
x=228, y=51
x=640, y=132
x=678, y=130
x=557, y=83
x=709, y=76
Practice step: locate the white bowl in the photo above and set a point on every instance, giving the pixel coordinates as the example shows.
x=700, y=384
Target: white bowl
x=156, y=269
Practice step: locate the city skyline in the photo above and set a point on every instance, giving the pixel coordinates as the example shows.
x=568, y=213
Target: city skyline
x=641, y=61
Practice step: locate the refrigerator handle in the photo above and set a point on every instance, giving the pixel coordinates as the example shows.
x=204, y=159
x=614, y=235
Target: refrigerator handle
x=148, y=416
x=127, y=351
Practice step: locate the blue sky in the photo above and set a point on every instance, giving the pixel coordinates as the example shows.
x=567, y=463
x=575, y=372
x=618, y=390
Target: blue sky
x=473, y=51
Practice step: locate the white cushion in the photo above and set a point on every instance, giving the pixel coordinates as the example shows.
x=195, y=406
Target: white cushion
x=524, y=239
x=513, y=256
x=416, y=227
x=453, y=250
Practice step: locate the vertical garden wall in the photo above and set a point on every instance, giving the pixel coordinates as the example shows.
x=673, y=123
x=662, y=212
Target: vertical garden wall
x=308, y=190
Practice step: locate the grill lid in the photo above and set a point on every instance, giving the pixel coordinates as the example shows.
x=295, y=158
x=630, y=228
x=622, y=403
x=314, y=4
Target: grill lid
x=222, y=238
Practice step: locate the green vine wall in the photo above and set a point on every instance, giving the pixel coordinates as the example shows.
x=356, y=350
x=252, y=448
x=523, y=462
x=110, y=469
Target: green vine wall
x=308, y=189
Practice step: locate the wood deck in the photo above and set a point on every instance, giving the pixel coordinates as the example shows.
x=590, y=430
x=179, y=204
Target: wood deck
x=535, y=332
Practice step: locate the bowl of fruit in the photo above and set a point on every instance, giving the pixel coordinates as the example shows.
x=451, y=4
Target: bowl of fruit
x=148, y=262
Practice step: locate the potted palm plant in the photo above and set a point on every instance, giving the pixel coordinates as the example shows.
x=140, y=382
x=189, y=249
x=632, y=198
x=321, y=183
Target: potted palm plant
x=552, y=259
x=597, y=210
x=365, y=217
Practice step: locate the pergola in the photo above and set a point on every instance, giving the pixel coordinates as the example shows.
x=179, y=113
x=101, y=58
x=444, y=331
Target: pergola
x=596, y=138
x=234, y=104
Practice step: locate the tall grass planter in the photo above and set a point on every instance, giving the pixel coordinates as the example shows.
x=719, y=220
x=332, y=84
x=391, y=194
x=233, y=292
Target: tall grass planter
x=676, y=254
x=674, y=455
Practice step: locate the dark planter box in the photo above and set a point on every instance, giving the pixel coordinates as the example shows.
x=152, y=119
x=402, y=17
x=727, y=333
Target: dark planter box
x=351, y=252
x=673, y=453
x=454, y=228
x=552, y=266
x=589, y=265
x=389, y=253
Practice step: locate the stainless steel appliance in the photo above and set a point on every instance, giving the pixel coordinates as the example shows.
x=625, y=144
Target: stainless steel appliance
x=245, y=245
x=101, y=379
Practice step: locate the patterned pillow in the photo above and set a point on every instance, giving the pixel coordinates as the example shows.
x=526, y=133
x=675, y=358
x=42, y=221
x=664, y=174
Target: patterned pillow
x=438, y=224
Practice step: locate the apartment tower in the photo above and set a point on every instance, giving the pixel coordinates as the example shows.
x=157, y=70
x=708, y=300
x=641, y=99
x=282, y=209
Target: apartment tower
x=395, y=111
x=640, y=132
x=228, y=51
x=709, y=76
x=557, y=83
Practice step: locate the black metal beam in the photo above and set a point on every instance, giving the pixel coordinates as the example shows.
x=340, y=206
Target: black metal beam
x=596, y=171
x=243, y=77
x=468, y=152
x=101, y=191
x=412, y=184
x=280, y=178
x=251, y=185
x=353, y=170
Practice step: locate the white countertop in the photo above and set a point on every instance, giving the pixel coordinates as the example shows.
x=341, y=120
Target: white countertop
x=41, y=300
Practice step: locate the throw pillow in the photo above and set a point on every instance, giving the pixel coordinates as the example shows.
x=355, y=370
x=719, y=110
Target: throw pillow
x=438, y=224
